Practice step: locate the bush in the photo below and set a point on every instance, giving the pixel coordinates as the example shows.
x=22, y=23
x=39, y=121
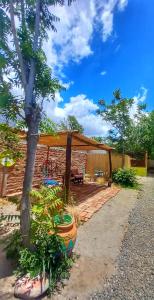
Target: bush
x=125, y=177
x=47, y=254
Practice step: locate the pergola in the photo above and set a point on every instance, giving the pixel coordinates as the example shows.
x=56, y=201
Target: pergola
x=73, y=140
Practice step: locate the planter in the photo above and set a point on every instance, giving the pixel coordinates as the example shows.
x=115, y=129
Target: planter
x=31, y=288
x=68, y=232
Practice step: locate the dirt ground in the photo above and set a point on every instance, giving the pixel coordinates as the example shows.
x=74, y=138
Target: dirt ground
x=98, y=245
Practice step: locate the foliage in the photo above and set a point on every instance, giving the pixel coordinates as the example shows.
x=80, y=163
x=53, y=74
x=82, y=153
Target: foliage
x=48, y=208
x=141, y=137
x=10, y=142
x=46, y=255
x=71, y=123
x=23, y=66
x=46, y=125
x=14, y=245
x=41, y=258
x=117, y=114
x=48, y=203
x=124, y=177
x=98, y=139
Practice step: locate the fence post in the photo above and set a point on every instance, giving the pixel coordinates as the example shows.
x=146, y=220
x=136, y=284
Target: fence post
x=110, y=169
x=4, y=176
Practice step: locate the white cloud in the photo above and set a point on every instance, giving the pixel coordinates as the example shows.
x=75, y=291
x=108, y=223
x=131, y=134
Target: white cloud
x=122, y=4
x=72, y=41
x=83, y=109
x=139, y=99
x=103, y=73
x=108, y=8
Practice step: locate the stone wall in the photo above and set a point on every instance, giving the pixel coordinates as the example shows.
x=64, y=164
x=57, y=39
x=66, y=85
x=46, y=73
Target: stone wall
x=57, y=167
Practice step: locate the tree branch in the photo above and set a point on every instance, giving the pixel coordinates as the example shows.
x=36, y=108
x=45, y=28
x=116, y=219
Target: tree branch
x=21, y=116
x=24, y=83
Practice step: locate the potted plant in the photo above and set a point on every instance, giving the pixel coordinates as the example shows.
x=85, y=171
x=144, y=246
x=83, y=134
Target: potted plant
x=48, y=207
x=53, y=235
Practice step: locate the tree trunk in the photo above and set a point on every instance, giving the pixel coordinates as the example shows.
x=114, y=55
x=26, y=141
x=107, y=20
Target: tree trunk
x=32, y=140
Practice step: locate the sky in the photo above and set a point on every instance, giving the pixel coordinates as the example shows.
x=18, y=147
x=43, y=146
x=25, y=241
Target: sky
x=101, y=45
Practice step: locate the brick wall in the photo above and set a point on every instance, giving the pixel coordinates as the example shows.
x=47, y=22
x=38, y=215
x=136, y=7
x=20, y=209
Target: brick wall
x=56, y=156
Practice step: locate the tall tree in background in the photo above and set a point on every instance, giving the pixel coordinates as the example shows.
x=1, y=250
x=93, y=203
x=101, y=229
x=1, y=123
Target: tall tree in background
x=141, y=138
x=23, y=27
x=98, y=139
x=117, y=114
x=71, y=123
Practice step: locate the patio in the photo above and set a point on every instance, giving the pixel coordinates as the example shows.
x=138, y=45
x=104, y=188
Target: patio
x=90, y=197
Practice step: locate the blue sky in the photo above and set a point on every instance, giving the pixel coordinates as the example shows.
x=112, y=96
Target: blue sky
x=102, y=45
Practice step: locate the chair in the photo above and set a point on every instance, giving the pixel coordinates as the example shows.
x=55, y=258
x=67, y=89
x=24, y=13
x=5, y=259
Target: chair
x=76, y=176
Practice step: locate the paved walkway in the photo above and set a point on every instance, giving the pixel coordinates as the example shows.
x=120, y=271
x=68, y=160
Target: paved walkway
x=98, y=245
x=91, y=198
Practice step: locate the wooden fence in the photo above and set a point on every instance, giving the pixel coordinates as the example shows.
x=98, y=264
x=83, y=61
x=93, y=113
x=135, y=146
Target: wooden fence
x=99, y=161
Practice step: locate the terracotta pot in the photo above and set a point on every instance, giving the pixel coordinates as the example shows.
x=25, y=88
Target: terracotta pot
x=68, y=233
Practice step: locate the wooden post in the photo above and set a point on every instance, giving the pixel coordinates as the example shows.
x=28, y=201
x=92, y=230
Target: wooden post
x=146, y=162
x=4, y=181
x=48, y=150
x=110, y=169
x=68, y=166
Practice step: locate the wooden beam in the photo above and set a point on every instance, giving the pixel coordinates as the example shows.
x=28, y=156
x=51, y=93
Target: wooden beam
x=68, y=166
x=91, y=143
x=77, y=145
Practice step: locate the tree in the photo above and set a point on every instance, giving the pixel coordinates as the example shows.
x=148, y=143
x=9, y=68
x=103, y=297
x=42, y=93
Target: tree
x=141, y=138
x=9, y=143
x=46, y=125
x=24, y=63
x=71, y=123
x=117, y=114
x=98, y=139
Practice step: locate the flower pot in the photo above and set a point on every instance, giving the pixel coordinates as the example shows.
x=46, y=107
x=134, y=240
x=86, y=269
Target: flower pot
x=68, y=232
x=31, y=288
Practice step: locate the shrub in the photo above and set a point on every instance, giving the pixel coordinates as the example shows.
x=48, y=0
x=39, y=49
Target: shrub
x=47, y=254
x=125, y=177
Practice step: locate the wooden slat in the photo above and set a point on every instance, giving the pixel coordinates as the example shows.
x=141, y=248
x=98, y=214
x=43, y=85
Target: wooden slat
x=78, y=141
x=68, y=166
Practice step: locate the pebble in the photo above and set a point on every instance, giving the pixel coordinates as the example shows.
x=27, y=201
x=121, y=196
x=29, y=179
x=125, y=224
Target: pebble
x=134, y=279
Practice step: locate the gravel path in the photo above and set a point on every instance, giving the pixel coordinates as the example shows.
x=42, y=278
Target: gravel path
x=135, y=273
